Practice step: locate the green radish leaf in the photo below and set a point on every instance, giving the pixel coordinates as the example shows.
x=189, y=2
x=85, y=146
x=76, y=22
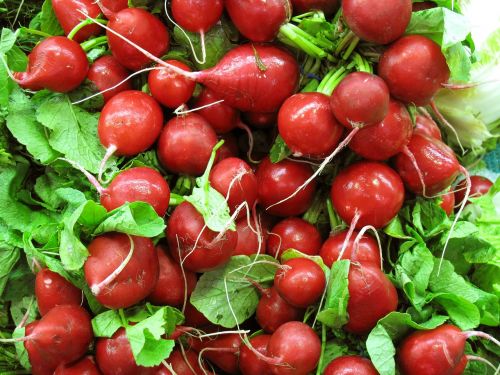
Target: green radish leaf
x=22, y=353
x=9, y=255
x=279, y=150
x=48, y=19
x=487, y=277
x=428, y=218
x=462, y=313
x=230, y=284
x=16, y=59
x=334, y=314
x=292, y=254
x=107, y=323
x=86, y=89
x=7, y=40
x=333, y=349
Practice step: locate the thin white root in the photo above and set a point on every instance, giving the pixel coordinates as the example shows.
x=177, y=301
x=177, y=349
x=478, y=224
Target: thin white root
x=102, y=166
x=483, y=360
x=379, y=244
x=181, y=110
x=89, y=176
x=247, y=130
x=352, y=226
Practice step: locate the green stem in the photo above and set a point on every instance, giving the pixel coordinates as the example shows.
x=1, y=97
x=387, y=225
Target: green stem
x=352, y=45
x=82, y=24
x=290, y=35
x=323, y=348
x=331, y=81
x=344, y=42
x=313, y=213
x=35, y=32
x=92, y=43
x=325, y=80
x=175, y=200
x=312, y=86
x=331, y=214
x=203, y=180
x=123, y=318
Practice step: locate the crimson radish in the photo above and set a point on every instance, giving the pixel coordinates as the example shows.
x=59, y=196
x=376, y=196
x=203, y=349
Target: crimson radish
x=68, y=15
x=379, y=22
x=251, y=238
x=113, y=6
x=293, y=233
x=197, y=15
x=249, y=363
x=425, y=125
x=51, y=289
x=448, y=202
x=221, y=116
x=273, y=311
x=85, y=366
x=56, y=63
x=479, y=186
x=107, y=72
x=350, y=365
x=328, y=7
x=121, y=270
x=183, y=363
x=260, y=119
x=222, y=351
x=194, y=318
x=229, y=149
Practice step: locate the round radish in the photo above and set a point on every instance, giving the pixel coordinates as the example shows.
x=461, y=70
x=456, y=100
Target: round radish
x=293, y=233
x=300, y=282
x=448, y=202
x=248, y=241
x=183, y=363
x=307, y=125
x=426, y=126
x=143, y=29
x=479, y=186
x=85, y=366
x=130, y=122
x=379, y=22
x=174, y=285
x=386, y=138
x=68, y=14
x=350, y=365
x=51, y=289
x=414, y=68
x=223, y=351
x=437, y=163
x=360, y=99
x=221, y=116
x=371, y=190
x=136, y=280
x=113, y=6
x=169, y=88
x=195, y=246
x=328, y=7
x=366, y=253
x=107, y=72
x=371, y=297
x=56, y=63
x=278, y=181
x=249, y=363
x=297, y=347
x=229, y=149
x=185, y=144
x=261, y=119
x=273, y=311
x=197, y=15
x=246, y=14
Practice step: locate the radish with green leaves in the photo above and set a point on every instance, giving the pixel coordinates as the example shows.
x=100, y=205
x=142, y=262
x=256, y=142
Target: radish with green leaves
x=273, y=311
x=68, y=15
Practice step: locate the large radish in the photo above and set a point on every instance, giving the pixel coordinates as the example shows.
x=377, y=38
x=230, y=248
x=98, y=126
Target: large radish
x=68, y=15
x=51, y=289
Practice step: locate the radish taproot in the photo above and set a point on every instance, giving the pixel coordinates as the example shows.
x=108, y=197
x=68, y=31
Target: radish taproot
x=350, y=365
x=85, y=366
x=293, y=233
x=68, y=15
x=249, y=363
x=273, y=311
x=106, y=72
x=51, y=289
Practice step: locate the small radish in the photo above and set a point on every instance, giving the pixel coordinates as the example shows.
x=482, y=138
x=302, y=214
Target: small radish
x=193, y=245
x=385, y=138
x=328, y=7
x=235, y=180
x=168, y=88
x=370, y=192
x=229, y=149
x=183, y=363
x=68, y=15
x=371, y=297
x=379, y=22
x=479, y=186
x=197, y=15
x=194, y=318
x=114, y=356
x=113, y=6
x=51, y=289
x=273, y=311
x=301, y=282
x=174, y=286
x=307, y=125
x=277, y=181
x=252, y=234
x=296, y=346
x=85, y=366
x=249, y=363
x=350, y=365
x=423, y=5
x=143, y=29
x=246, y=14
x=261, y=119
x=185, y=144
x=222, y=351
x=293, y=233
x=366, y=253
x=448, y=202
x=360, y=99
x=221, y=116
x=106, y=72
x=414, y=68
x=56, y=63
x=425, y=125
x=121, y=270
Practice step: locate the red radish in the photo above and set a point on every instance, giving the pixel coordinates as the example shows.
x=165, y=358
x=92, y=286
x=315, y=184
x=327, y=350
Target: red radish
x=137, y=184
x=107, y=72
x=143, y=29
x=130, y=123
x=371, y=190
x=436, y=162
x=235, y=180
x=367, y=252
x=183, y=363
x=174, y=286
x=249, y=363
x=293, y=233
x=114, y=356
x=194, y=318
x=261, y=119
x=121, y=270
x=221, y=116
x=426, y=126
x=68, y=14
x=273, y=311
x=448, y=202
x=185, y=144
x=51, y=289
x=252, y=234
x=193, y=245
x=328, y=7
x=414, y=68
x=278, y=181
x=300, y=282
x=479, y=186
x=379, y=22
x=85, y=366
x=113, y=6
x=423, y=6
x=296, y=346
x=360, y=99
x=197, y=15
x=222, y=351
x=56, y=63
x=350, y=365
x=168, y=88
x=229, y=149
x=371, y=297
x=386, y=138
x=307, y=125
x=246, y=14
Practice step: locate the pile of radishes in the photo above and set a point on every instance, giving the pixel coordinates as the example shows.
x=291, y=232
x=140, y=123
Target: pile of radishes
x=183, y=114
